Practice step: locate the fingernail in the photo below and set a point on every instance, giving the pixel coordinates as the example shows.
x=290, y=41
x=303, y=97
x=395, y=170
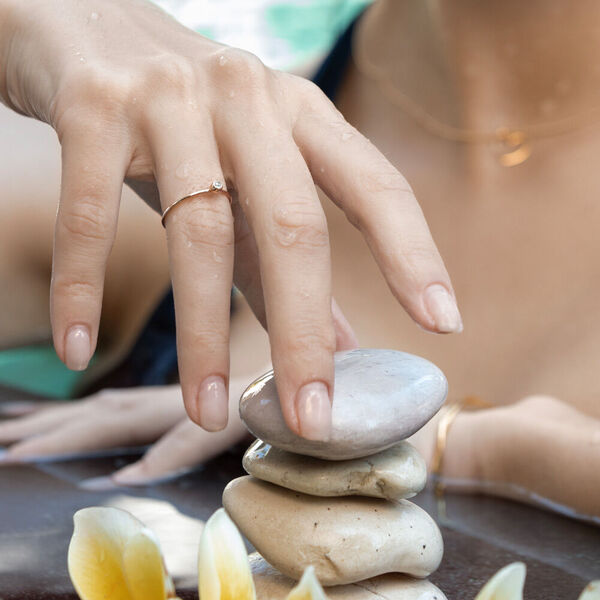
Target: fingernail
x=130, y=475
x=78, y=348
x=213, y=403
x=98, y=484
x=313, y=408
x=442, y=309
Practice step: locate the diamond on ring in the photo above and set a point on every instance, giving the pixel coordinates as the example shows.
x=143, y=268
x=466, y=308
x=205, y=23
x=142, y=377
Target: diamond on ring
x=217, y=185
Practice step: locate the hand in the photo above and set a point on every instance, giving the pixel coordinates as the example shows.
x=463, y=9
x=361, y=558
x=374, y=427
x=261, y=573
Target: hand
x=539, y=450
x=114, y=419
x=132, y=94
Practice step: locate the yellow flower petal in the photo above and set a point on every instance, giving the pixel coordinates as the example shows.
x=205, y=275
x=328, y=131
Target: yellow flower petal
x=308, y=588
x=591, y=592
x=223, y=567
x=112, y=555
x=506, y=584
x=144, y=568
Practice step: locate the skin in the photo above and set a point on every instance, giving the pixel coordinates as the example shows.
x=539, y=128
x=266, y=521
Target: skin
x=522, y=243
x=133, y=95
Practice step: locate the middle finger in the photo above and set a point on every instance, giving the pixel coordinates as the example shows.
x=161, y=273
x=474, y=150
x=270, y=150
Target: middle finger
x=280, y=202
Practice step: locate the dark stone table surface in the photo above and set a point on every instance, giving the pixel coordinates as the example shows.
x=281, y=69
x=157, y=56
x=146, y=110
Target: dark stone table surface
x=482, y=534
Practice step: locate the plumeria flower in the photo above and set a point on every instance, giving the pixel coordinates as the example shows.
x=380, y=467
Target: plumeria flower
x=507, y=584
x=224, y=570
x=113, y=555
x=223, y=567
x=308, y=588
x=591, y=592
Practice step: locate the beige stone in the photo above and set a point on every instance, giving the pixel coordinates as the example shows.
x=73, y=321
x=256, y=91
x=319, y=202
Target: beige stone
x=272, y=585
x=345, y=539
x=398, y=472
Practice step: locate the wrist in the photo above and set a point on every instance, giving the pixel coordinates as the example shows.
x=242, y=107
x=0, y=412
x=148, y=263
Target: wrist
x=8, y=24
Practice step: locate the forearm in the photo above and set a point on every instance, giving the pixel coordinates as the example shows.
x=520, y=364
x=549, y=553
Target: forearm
x=7, y=27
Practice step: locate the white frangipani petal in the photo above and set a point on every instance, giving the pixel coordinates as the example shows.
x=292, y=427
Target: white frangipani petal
x=506, y=584
x=223, y=567
x=592, y=591
x=113, y=555
x=308, y=588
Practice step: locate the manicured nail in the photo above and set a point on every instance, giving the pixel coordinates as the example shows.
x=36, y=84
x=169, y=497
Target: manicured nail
x=313, y=408
x=78, y=348
x=132, y=474
x=213, y=403
x=442, y=309
x=98, y=484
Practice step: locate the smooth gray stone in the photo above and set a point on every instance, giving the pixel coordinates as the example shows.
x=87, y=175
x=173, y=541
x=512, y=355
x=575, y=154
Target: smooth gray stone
x=381, y=397
x=395, y=473
x=345, y=539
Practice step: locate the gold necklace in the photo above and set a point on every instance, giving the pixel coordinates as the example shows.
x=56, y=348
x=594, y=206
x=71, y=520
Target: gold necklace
x=516, y=141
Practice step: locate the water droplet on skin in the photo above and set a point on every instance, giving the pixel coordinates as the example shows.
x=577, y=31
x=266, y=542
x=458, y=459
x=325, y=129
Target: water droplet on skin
x=94, y=16
x=231, y=94
x=182, y=171
x=188, y=244
x=82, y=59
x=246, y=200
x=322, y=169
x=222, y=60
x=216, y=276
x=218, y=258
x=347, y=136
x=287, y=238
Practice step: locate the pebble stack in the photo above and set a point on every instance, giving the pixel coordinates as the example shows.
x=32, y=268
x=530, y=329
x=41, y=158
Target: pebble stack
x=341, y=506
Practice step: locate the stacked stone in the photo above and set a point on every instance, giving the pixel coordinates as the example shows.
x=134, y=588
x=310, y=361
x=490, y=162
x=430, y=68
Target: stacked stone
x=341, y=506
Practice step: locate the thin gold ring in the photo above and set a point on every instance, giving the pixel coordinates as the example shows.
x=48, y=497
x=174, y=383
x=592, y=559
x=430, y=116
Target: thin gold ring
x=448, y=414
x=215, y=186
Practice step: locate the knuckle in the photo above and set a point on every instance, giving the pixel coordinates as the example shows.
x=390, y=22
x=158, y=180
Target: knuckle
x=173, y=73
x=312, y=340
x=103, y=91
x=312, y=98
x=210, y=338
x=241, y=67
x=386, y=180
x=87, y=220
x=116, y=402
x=299, y=223
x=206, y=225
x=75, y=289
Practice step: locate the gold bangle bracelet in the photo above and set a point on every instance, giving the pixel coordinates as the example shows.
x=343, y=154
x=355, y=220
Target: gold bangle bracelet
x=448, y=414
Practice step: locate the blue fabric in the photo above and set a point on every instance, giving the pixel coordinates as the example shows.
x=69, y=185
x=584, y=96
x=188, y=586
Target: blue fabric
x=331, y=72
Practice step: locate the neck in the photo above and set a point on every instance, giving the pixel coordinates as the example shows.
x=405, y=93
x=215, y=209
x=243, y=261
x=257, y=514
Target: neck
x=489, y=63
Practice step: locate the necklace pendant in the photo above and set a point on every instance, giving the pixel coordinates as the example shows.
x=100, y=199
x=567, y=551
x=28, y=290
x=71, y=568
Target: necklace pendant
x=519, y=147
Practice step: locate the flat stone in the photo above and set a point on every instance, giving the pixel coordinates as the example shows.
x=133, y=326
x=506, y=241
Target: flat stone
x=398, y=472
x=380, y=398
x=272, y=585
x=345, y=539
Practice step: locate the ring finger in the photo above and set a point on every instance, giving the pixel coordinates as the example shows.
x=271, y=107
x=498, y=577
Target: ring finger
x=200, y=243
